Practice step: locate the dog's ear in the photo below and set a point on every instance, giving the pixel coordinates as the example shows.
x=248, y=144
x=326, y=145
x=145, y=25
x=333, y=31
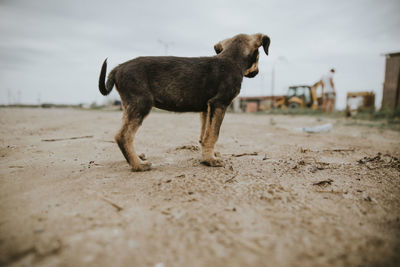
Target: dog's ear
x=218, y=48
x=265, y=43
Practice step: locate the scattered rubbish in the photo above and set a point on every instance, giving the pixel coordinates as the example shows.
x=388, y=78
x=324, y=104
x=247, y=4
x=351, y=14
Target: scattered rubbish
x=339, y=150
x=304, y=150
x=318, y=129
x=118, y=207
x=370, y=159
x=231, y=209
x=380, y=161
x=366, y=197
x=69, y=138
x=92, y=163
x=232, y=178
x=245, y=154
x=324, y=182
x=188, y=147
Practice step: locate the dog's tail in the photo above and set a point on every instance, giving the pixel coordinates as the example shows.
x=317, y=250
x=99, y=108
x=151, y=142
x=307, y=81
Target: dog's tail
x=106, y=87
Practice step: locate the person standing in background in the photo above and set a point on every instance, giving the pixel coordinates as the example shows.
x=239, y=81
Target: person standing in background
x=328, y=91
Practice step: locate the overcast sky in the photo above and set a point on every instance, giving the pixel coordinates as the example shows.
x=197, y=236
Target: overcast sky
x=52, y=51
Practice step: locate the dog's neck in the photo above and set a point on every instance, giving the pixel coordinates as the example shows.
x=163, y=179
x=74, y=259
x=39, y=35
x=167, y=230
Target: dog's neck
x=237, y=58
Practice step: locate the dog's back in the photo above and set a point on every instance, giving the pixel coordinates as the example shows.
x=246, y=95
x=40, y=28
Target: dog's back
x=177, y=84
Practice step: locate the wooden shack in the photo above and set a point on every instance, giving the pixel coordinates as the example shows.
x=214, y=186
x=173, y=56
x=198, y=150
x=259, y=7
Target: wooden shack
x=391, y=86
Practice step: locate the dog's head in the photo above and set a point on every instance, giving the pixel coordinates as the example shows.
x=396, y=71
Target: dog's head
x=247, y=48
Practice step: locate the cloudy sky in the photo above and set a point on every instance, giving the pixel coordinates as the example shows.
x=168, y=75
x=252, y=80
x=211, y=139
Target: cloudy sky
x=52, y=51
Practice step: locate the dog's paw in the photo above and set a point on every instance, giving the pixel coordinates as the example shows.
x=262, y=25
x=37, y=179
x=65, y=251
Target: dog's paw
x=142, y=167
x=213, y=163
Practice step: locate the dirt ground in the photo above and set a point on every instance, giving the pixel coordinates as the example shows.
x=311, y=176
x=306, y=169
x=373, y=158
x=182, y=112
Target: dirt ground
x=284, y=198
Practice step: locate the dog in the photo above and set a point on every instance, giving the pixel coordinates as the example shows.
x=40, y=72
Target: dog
x=181, y=84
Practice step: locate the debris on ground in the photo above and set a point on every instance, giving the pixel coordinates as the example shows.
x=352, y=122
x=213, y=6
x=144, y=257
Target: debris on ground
x=188, y=147
x=304, y=150
x=324, y=182
x=230, y=179
x=69, y=138
x=118, y=207
x=380, y=161
x=339, y=150
x=318, y=129
x=245, y=154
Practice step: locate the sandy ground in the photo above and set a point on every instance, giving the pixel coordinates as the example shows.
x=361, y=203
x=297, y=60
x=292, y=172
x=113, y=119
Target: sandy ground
x=292, y=199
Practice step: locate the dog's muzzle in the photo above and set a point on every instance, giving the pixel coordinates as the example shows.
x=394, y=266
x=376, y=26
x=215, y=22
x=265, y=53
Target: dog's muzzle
x=251, y=74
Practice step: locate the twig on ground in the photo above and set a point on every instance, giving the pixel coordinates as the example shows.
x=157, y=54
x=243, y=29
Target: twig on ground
x=245, y=154
x=119, y=208
x=324, y=182
x=340, y=150
x=230, y=179
x=69, y=138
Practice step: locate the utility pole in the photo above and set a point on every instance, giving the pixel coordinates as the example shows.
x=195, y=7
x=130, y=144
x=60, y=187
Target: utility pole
x=9, y=97
x=166, y=45
x=280, y=58
x=19, y=97
x=261, y=83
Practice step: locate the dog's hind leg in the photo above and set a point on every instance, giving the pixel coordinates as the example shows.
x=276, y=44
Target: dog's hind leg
x=125, y=139
x=215, y=115
x=203, y=118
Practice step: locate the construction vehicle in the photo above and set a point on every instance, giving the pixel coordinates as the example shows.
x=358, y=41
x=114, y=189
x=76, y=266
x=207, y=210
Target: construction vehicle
x=301, y=96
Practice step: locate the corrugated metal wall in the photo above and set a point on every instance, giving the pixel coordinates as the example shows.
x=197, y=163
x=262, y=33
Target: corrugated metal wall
x=391, y=86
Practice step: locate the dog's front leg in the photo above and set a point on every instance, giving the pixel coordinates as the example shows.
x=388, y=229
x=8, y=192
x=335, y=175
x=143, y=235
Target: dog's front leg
x=215, y=115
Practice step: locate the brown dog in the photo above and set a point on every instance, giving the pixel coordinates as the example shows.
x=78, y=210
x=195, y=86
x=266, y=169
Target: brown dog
x=205, y=84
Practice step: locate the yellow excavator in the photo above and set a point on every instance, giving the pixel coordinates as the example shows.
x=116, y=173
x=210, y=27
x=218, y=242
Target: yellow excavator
x=301, y=96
